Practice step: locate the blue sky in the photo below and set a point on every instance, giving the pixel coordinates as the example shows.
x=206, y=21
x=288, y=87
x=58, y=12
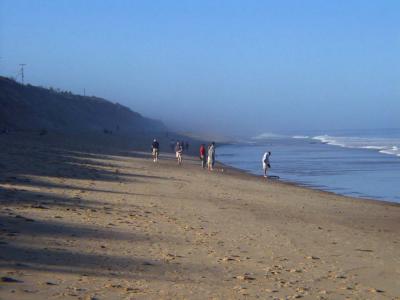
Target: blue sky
x=225, y=66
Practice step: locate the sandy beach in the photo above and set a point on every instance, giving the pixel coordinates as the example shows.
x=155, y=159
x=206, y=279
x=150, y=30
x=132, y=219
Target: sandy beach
x=99, y=221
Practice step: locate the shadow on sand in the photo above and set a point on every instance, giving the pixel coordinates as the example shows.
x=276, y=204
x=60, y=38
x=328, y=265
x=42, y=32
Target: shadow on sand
x=25, y=160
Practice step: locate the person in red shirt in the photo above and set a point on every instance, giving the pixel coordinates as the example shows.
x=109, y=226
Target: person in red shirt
x=203, y=156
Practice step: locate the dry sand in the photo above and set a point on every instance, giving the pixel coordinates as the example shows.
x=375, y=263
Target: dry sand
x=84, y=222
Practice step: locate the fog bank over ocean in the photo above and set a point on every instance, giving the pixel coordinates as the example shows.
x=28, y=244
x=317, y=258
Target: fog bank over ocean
x=359, y=163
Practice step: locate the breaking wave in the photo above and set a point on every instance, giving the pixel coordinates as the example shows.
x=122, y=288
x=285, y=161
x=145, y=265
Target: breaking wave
x=383, y=145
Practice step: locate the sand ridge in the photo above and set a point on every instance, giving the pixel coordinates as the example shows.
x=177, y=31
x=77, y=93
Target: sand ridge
x=84, y=224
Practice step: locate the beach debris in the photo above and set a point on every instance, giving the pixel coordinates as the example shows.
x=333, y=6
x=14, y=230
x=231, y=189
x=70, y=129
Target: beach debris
x=10, y=280
x=169, y=256
x=365, y=250
x=30, y=291
x=230, y=258
x=133, y=290
x=312, y=257
x=245, y=276
x=302, y=289
x=115, y=286
x=374, y=290
x=39, y=206
x=50, y=283
x=295, y=271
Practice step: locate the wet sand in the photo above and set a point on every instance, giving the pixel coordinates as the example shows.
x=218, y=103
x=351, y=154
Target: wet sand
x=96, y=221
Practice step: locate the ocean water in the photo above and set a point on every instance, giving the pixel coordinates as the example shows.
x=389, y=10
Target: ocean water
x=358, y=163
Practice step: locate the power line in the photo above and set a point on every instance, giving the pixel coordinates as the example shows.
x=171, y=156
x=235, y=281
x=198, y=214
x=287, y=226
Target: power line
x=22, y=72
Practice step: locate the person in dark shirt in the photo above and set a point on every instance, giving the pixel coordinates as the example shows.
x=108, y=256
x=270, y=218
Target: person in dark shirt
x=155, y=150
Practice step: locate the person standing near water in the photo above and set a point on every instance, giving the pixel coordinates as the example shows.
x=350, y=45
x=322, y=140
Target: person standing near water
x=211, y=156
x=203, y=156
x=178, y=151
x=266, y=164
x=155, y=150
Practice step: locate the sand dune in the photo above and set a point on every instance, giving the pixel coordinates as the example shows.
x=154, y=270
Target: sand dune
x=92, y=222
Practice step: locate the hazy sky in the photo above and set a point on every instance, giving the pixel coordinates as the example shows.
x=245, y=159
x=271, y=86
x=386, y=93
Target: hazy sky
x=224, y=66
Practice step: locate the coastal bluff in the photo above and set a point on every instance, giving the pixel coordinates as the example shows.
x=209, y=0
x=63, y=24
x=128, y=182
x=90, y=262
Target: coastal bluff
x=30, y=108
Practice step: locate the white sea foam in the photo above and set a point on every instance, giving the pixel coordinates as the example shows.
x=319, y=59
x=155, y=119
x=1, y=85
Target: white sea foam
x=326, y=139
x=389, y=146
x=300, y=137
x=267, y=135
x=374, y=147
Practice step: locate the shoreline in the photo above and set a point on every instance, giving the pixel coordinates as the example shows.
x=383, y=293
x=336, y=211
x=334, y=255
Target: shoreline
x=310, y=188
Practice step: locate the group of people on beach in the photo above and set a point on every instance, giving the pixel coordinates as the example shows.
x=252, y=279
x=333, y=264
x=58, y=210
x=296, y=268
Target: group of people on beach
x=207, y=156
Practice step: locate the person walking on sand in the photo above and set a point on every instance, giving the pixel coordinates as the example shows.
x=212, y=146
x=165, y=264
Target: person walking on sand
x=211, y=156
x=265, y=162
x=203, y=156
x=155, y=150
x=178, y=151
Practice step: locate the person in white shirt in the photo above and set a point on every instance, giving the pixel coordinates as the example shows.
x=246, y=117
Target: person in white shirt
x=178, y=152
x=266, y=164
x=211, y=156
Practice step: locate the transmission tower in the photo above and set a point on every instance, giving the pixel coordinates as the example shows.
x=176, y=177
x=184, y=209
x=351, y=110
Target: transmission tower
x=22, y=72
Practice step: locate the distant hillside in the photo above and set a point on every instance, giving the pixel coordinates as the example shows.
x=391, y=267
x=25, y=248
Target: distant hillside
x=27, y=107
